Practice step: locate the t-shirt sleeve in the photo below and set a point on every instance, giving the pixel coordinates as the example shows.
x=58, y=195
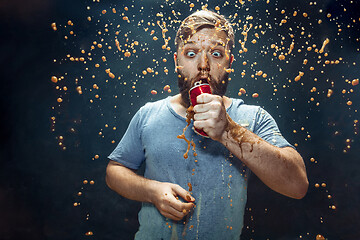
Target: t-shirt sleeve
x=130, y=152
x=267, y=129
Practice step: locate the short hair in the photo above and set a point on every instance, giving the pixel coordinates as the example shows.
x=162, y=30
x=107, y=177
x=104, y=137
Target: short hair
x=204, y=19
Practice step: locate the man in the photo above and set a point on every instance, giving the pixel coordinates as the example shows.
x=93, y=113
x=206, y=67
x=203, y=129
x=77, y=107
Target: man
x=242, y=138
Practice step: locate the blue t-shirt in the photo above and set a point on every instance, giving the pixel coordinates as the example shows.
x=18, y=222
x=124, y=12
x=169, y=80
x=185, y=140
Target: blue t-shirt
x=218, y=179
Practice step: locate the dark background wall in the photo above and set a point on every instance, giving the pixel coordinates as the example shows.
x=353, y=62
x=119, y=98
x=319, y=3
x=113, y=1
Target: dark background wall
x=40, y=180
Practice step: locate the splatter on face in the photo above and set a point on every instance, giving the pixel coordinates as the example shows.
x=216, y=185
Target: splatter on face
x=203, y=57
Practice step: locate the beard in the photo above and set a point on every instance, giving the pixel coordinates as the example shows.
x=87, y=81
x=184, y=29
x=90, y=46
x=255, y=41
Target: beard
x=185, y=84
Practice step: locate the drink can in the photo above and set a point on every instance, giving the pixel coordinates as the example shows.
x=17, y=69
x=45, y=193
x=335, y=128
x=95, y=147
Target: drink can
x=195, y=91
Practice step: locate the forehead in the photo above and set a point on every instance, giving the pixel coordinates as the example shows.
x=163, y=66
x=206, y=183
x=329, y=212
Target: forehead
x=210, y=36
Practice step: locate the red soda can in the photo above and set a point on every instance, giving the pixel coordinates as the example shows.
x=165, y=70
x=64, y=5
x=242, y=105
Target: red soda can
x=195, y=91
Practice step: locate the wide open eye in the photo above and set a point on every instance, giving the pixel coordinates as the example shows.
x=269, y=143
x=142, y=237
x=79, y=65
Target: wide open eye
x=190, y=53
x=217, y=54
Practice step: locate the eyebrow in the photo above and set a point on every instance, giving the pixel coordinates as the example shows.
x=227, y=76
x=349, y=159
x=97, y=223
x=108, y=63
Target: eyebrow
x=214, y=42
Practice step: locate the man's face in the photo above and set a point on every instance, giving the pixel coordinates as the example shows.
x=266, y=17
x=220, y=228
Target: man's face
x=204, y=57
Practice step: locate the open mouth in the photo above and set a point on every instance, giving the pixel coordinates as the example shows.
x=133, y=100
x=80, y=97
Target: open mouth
x=203, y=80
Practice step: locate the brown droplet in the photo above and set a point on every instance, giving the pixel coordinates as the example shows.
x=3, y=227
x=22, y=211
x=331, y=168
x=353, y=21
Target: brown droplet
x=190, y=186
x=329, y=93
x=127, y=54
x=355, y=82
x=53, y=25
x=320, y=237
x=111, y=75
x=166, y=88
x=54, y=79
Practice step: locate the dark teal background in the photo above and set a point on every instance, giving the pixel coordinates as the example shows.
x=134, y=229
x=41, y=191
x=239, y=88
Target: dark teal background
x=39, y=181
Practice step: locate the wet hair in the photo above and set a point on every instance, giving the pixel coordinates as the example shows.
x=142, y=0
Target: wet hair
x=204, y=19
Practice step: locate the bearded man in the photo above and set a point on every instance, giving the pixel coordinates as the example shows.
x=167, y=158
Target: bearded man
x=240, y=139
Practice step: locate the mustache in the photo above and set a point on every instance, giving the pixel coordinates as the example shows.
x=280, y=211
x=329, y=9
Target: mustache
x=217, y=88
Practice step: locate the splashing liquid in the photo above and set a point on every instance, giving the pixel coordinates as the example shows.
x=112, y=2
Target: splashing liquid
x=189, y=116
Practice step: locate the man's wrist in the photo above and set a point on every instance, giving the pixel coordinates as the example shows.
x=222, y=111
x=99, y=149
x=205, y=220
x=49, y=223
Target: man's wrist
x=233, y=132
x=150, y=188
x=224, y=138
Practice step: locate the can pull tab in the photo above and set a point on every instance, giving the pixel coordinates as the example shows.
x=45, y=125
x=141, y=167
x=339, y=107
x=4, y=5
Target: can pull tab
x=197, y=83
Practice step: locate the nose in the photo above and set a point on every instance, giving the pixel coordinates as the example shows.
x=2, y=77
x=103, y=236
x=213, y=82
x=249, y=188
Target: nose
x=203, y=64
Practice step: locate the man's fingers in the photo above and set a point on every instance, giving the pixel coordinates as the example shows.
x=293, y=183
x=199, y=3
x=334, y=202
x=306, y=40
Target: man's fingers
x=169, y=204
x=207, y=103
x=179, y=191
x=204, y=98
x=181, y=206
x=175, y=212
x=177, y=209
x=200, y=108
x=187, y=207
x=201, y=124
x=202, y=116
x=169, y=215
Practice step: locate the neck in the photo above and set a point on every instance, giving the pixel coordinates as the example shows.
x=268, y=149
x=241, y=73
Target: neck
x=178, y=105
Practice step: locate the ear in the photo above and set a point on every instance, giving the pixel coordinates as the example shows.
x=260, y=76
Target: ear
x=231, y=59
x=175, y=60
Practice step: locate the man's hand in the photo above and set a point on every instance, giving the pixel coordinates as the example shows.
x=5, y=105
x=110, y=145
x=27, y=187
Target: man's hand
x=165, y=198
x=210, y=115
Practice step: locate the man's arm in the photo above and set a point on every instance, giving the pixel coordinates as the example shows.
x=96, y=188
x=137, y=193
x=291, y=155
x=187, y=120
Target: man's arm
x=164, y=196
x=281, y=169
